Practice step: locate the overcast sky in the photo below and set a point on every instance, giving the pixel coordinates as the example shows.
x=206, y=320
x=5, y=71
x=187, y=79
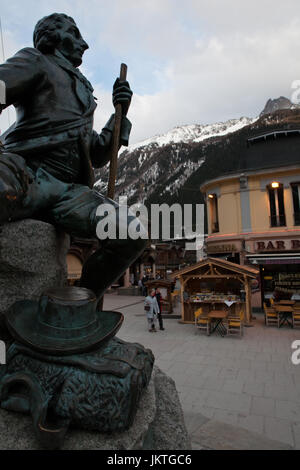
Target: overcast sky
x=191, y=61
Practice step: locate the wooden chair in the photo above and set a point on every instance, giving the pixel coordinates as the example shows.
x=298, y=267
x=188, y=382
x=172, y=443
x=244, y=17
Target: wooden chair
x=234, y=324
x=296, y=317
x=271, y=316
x=202, y=321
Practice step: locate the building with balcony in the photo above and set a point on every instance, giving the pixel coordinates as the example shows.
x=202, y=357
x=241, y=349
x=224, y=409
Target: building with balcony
x=253, y=212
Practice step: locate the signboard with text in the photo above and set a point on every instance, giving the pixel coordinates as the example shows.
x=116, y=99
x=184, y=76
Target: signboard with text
x=225, y=248
x=277, y=245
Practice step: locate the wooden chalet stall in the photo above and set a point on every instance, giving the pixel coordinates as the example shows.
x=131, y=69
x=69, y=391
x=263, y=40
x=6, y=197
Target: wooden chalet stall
x=165, y=288
x=214, y=283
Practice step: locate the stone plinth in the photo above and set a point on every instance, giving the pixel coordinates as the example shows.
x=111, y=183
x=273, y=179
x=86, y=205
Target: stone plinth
x=158, y=425
x=32, y=259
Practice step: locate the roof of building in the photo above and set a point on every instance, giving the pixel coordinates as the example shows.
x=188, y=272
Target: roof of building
x=242, y=153
x=273, y=135
x=217, y=262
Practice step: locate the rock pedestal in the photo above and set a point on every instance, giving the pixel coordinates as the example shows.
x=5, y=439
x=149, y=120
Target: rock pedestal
x=32, y=259
x=158, y=425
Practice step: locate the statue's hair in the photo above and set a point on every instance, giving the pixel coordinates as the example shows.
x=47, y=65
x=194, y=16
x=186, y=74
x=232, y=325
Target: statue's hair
x=46, y=32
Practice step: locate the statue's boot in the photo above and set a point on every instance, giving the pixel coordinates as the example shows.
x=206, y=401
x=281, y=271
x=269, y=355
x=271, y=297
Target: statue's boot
x=115, y=255
x=107, y=264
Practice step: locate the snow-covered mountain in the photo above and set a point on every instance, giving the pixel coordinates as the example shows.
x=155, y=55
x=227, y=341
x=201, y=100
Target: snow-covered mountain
x=170, y=167
x=158, y=159
x=193, y=133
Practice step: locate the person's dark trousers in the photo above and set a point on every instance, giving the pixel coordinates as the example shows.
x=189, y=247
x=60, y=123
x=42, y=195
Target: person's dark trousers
x=160, y=320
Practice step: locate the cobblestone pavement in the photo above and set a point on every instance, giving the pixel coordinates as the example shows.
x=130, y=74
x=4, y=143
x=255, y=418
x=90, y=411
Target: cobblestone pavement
x=250, y=382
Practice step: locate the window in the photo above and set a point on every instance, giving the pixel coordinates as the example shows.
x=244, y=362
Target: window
x=276, y=201
x=213, y=209
x=296, y=201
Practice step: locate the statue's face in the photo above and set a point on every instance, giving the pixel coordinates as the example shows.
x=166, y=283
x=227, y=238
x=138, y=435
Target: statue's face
x=72, y=45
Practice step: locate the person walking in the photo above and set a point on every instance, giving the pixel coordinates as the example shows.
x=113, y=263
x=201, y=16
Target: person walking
x=152, y=309
x=159, y=302
x=144, y=280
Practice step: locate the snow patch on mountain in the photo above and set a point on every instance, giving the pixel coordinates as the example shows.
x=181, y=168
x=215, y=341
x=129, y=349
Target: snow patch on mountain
x=225, y=128
x=192, y=133
x=185, y=170
x=138, y=179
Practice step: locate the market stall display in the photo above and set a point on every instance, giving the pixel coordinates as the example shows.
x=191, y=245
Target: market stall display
x=215, y=284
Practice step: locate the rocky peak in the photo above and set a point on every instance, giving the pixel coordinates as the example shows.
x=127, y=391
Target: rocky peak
x=278, y=103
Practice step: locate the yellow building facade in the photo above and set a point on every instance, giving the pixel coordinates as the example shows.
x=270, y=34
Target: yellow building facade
x=253, y=216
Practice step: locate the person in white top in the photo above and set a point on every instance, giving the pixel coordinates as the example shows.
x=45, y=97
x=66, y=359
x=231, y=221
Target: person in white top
x=152, y=309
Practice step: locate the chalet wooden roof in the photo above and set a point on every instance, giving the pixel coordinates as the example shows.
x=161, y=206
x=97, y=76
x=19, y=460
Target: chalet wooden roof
x=218, y=263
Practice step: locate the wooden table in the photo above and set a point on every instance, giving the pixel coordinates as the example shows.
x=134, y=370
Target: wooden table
x=218, y=316
x=287, y=302
x=284, y=311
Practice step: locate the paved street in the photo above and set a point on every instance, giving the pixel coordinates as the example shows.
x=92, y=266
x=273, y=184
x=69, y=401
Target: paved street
x=248, y=382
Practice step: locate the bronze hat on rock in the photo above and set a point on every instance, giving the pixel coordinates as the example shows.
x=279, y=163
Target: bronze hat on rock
x=63, y=321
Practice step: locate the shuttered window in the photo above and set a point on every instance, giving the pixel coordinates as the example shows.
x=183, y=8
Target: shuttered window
x=296, y=201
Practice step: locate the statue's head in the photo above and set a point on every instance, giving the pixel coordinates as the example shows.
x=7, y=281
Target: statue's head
x=59, y=32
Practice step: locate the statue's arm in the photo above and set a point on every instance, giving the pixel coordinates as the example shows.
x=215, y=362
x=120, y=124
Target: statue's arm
x=20, y=74
x=101, y=144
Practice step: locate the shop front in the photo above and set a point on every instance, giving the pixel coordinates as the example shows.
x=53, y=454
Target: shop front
x=278, y=260
x=278, y=272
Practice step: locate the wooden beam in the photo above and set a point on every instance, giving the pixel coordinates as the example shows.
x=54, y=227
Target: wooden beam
x=181, y=297
x=186, y=279
x=248, y=300
x=214, y=276
x=216, y=271
x=217, y=276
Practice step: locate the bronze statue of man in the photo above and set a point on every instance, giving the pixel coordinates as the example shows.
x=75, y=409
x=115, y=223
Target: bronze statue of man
x=46, y=168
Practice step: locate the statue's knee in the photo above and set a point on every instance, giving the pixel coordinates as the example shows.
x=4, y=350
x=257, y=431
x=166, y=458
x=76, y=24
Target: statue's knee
x=140, y=244
x=135, y=246
x=15, y=176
